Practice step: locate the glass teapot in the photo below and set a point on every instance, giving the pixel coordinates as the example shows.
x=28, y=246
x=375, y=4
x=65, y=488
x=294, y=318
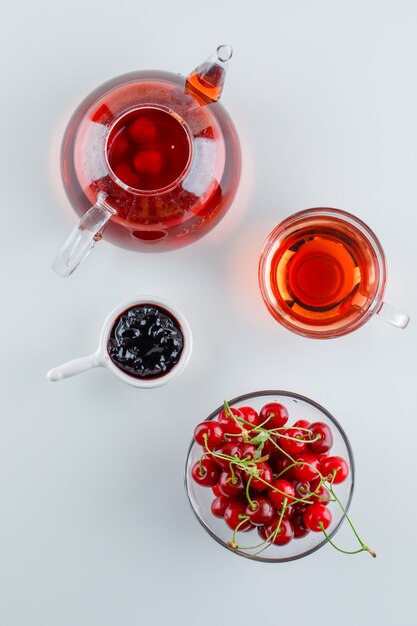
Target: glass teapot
x=150, y=161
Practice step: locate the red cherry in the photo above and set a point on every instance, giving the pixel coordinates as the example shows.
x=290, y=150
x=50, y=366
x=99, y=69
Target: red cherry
x=315, y=482
x=301, y=488
x=142, y=130
x=280, y=465
x=234, y=438
x=125, y=173
x=289, y=445
x=321, y=495
x=301, y=424
x=232, y=448
x=216, y=490
x=263, y=513
x=262, y=532
x=205, y=472
x=230, y=426
x=228, y=449
x=285, y=490
x=147, y=162
x=225, y=418
x=269, y=446
x=233, y=516
x=213, y=432
x=299, y=527
x=118, y=148
x=288, y=513
x=325, y=442
x=219, y=505
x=308, y=470
x=285, y=533
x=273, y=415
x=249, y=415
x=231, y=486
x=265, y=473
x=334, y=465
x=316, y=514
x=247, y=451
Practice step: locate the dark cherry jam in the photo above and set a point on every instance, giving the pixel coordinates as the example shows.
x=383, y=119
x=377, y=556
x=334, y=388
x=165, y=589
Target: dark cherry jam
x=146, y=341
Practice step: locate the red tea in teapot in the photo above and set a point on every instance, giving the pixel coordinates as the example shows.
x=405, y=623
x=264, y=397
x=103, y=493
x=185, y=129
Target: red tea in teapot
x=148, y=149
x=206, y=81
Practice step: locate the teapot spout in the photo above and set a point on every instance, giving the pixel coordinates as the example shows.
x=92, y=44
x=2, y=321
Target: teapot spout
x=206, y=81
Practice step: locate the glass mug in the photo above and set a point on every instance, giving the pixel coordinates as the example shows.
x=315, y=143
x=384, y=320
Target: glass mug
x=322, y=274
x=150, y=161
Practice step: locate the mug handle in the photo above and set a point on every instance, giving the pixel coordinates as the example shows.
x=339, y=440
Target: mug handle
x=83, y=237
x=391, y=315
x=75, y=367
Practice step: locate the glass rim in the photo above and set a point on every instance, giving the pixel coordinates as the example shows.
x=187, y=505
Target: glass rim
x=333, y=420
x=372, y=307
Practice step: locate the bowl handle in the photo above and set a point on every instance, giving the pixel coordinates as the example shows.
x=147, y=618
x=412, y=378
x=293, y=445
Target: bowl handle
x=77, y=366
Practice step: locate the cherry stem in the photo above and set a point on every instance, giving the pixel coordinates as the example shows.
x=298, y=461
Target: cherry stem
x=243, y=520
x=247, y=467
x=232, y=473
x=201, y=466
x=298, y=439
x=269, y=540
x=346, y=515
x=284, y=506
x=251, y=503
x=265, y=482
x=362, y=549
x=287, y=468
x=259, y=545
x=274, y=443
x=262, y=424
x=314, y=493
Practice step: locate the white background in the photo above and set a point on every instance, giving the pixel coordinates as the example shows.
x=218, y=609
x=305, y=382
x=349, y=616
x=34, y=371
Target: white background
x=95, y=529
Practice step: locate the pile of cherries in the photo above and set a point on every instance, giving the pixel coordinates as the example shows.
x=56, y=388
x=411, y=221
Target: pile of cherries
x=268, y=475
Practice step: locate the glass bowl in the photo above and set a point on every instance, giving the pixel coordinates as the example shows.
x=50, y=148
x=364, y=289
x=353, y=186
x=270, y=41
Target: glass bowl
x=200, y=498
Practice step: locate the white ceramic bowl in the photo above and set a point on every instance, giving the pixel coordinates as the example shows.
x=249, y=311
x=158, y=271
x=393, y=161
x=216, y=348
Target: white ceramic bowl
x=101, y=358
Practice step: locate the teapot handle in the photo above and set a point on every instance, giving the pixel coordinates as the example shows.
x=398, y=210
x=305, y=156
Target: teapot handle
x=83, y=237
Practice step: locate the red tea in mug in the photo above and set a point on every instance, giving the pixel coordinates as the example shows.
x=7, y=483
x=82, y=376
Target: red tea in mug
x=322, y=273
